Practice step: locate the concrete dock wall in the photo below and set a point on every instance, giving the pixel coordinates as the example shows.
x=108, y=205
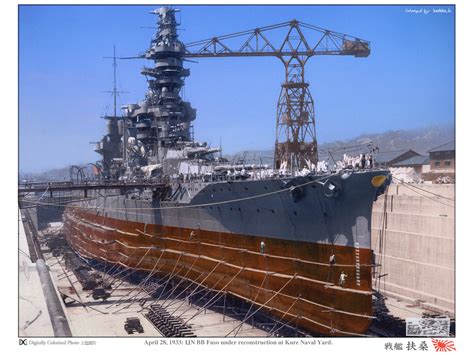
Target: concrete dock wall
x=413, y=238
x=48, y=209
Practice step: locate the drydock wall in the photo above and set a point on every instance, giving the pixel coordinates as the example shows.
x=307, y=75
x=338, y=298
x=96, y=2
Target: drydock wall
x=48, y=209
x=413, y=239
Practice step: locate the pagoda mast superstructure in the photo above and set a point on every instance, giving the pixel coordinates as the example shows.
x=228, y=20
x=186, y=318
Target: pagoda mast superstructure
x=163, y=119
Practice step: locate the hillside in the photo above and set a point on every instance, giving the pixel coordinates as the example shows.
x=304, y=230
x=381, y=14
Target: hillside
x=420, y=140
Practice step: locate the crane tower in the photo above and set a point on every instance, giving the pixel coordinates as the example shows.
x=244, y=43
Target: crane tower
x=295, y=140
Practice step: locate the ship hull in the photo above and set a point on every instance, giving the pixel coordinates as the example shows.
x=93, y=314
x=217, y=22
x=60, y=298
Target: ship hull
x=291, y=279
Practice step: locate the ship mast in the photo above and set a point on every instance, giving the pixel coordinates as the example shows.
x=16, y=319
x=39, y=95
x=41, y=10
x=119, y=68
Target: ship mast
x=114, y=91
x=115, y=83
x=109, y=146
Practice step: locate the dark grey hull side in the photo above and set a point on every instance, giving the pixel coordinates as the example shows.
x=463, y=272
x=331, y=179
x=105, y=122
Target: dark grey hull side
x=310, y=212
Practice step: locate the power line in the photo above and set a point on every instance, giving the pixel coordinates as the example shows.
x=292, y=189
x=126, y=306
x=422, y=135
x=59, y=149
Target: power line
x=430, y=198
x=419, y=188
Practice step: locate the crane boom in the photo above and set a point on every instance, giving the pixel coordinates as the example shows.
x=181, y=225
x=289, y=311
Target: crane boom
x=257, y=44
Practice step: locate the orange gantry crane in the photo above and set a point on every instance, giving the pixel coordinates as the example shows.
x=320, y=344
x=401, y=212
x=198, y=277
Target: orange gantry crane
x=295, y=141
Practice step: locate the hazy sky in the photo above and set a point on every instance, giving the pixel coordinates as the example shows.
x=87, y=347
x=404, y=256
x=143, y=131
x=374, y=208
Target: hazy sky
x=406, y=82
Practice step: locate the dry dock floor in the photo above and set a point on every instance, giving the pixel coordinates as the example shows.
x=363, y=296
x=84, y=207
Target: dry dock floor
x=107, y=318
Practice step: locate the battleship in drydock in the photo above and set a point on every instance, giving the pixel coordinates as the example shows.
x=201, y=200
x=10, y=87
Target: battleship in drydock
x=296, y=245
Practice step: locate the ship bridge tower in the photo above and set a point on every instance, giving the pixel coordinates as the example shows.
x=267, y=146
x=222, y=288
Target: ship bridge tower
x=163, y=119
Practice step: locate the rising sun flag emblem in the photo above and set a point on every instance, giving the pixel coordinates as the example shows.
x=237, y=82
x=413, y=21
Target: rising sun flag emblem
x=443, y=345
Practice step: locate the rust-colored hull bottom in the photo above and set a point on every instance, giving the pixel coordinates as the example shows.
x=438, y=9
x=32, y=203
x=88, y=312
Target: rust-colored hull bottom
x=292, y=280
